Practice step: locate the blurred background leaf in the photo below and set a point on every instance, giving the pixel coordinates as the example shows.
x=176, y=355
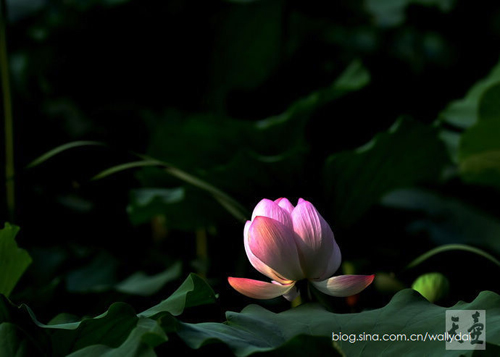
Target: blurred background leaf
x=445, y=219
x=408, y=154
x=390, y=13
x=13, y=260
x=480, y=144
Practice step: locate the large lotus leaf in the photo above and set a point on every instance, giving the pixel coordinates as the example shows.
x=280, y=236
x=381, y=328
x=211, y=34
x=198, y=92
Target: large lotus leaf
x=140, y=343
x=15, y=342
x=193, y=292
x=408, y=154
x=110, y=329
x=118, y=329
x=19, y=336
x=117, y=332
x=256, y=329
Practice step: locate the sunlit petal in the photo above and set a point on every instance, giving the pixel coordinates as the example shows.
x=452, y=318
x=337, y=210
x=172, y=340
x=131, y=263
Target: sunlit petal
x=273, y=244
x=257, y=263
x=333, y=263
x=291, y=294
x=270, y=209
x=319, y=242
x=344, y=285
x=259, y=289
x=285, y=204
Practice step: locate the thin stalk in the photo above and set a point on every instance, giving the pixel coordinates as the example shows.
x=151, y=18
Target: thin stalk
x=8, y=119
x=296, y=302
x=202, y=251
x=159, y=228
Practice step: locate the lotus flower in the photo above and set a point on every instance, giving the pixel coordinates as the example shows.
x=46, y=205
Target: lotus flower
x=289, y=244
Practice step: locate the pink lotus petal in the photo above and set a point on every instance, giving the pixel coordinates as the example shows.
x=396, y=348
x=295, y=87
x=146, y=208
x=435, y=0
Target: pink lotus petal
x=285, y=204
x=317, y=236
x=344, y=285
x=270, y=209
x=257, y=263
x=273, y=244
x=257, y=289
x=333, y=263
x=291, y=294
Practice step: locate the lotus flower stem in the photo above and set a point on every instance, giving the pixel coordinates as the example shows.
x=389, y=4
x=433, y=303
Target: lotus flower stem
x=202, y=251
x=159, y=229
x=304, y=291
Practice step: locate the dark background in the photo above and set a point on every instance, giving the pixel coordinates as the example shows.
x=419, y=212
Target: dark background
x=188, y=82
